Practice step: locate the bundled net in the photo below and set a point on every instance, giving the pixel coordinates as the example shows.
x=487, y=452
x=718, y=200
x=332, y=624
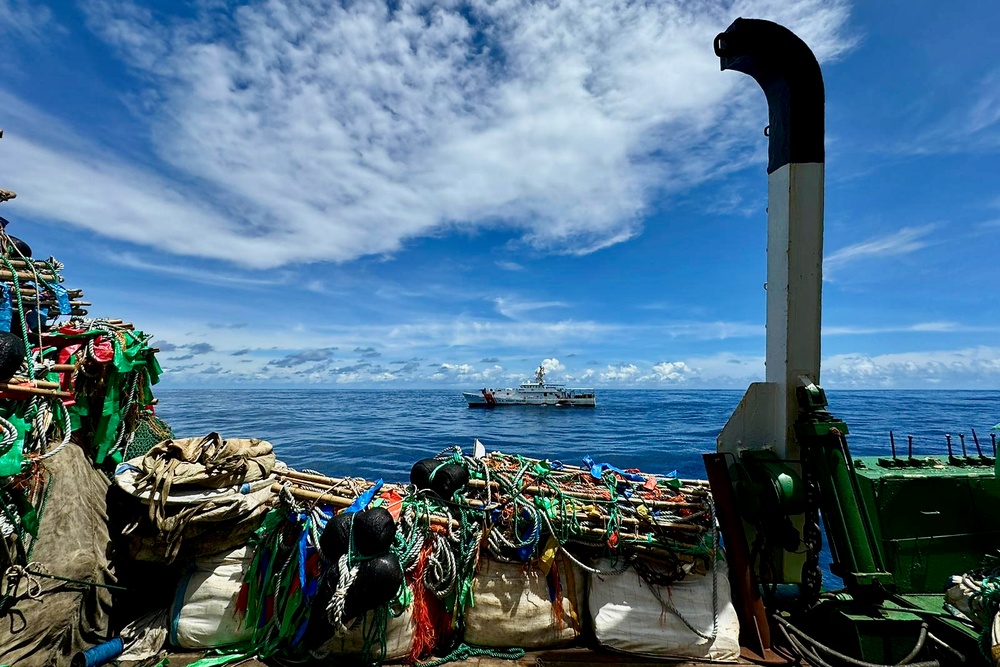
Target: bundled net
x=456, y=511
x=73, y=391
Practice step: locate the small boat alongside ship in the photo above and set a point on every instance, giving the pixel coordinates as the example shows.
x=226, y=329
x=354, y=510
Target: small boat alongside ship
x=532, y=393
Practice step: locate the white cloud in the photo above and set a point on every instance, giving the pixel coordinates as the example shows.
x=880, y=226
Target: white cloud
x=972, y=125
x=919, y=327
x=979, y=366
x=515, y=308
x=327, y=133
x=25, y=19
x=902, y=242
x=620, y=373
x=673, y=372
x=552, y=366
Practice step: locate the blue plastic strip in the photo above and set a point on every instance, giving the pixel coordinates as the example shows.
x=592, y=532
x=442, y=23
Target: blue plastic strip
x=597, y=470
x=175, y=617
x=362, y=501
x=6, y=308
x=124, y=467
x=62, y=298
x=35, y=320
x=303, y=538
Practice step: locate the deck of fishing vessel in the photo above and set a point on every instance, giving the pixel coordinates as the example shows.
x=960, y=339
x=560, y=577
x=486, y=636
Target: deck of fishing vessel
x=567, y=657
x=121, y=538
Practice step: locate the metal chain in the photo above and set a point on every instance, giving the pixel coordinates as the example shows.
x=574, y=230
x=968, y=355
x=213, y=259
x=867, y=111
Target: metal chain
x=812, y=536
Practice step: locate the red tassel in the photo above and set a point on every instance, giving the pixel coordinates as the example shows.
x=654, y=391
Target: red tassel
x=431, y=622
x=242, y=601
x=557, y=606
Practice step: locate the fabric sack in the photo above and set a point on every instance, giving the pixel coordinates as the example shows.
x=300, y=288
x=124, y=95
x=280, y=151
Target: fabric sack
x=634, y=616
x=204, y=611
x=519, y=605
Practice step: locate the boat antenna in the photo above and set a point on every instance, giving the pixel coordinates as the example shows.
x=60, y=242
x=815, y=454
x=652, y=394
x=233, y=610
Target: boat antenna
x=540, y=374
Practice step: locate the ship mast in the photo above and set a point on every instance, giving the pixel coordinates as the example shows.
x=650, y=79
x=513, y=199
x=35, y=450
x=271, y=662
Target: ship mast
x=540, y=375
x=790, y=77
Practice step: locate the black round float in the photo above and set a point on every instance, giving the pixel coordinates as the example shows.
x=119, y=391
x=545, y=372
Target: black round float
x=374, y=531
x=12, y=354
x=444, y=478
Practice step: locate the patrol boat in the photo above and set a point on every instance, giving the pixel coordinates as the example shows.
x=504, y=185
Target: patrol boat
x=532, y=393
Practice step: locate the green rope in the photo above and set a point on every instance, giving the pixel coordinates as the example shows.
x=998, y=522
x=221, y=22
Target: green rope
x=463, y=652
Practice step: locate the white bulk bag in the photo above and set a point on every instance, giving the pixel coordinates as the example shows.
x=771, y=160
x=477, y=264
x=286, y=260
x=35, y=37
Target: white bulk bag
x=512, y=606
x=399, y=634
x=203, y=613
x=627, y=616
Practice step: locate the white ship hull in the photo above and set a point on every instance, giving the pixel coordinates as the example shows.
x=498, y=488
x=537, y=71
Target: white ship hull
x=488, y=398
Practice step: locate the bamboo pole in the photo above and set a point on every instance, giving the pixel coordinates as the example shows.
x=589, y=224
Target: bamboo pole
x=588, y=517
x=342, y=501
x=582, y=495
x=47, y=276
x=53, y=302
x=44, y=384
x=323, y=482
x=31, y=292
x=692, y=482
x=27, y=389
x=36, y=263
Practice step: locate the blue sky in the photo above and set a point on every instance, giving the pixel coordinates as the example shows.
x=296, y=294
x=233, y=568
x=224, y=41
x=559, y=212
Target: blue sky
x=446, y=194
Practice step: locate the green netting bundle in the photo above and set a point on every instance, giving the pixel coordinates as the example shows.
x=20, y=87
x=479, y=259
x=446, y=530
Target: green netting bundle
x=149, y=431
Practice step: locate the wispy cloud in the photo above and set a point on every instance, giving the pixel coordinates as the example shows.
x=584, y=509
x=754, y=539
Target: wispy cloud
x=510, y=266
x=973, y=126
x=902, y=242
x=26, y=19
x=193, y=273
x=515, y=308
x=921, y=327
x=314, y=131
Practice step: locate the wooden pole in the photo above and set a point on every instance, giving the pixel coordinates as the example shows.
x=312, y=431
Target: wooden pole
x=36, y=263
x=31, y=292
x=5, y=274
x=45, y=384
x=27, y=389
x=587, y=517
x=582, y=495
x=341, y=501
x=323, y=482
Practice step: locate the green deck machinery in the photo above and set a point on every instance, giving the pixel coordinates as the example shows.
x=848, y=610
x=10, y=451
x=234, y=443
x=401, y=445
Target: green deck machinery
x=898, y=527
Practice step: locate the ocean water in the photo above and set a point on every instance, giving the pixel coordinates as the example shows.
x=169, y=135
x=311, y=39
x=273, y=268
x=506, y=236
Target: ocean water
x=380, y=434
x=376, y=433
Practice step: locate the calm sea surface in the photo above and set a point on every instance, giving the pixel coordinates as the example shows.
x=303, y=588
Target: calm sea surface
x=382, y=433
x=376, y=434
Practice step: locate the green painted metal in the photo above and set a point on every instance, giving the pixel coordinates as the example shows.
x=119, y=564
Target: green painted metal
x=771, y=502
x=872, y=633
x=853, y=542
x=931, y=520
